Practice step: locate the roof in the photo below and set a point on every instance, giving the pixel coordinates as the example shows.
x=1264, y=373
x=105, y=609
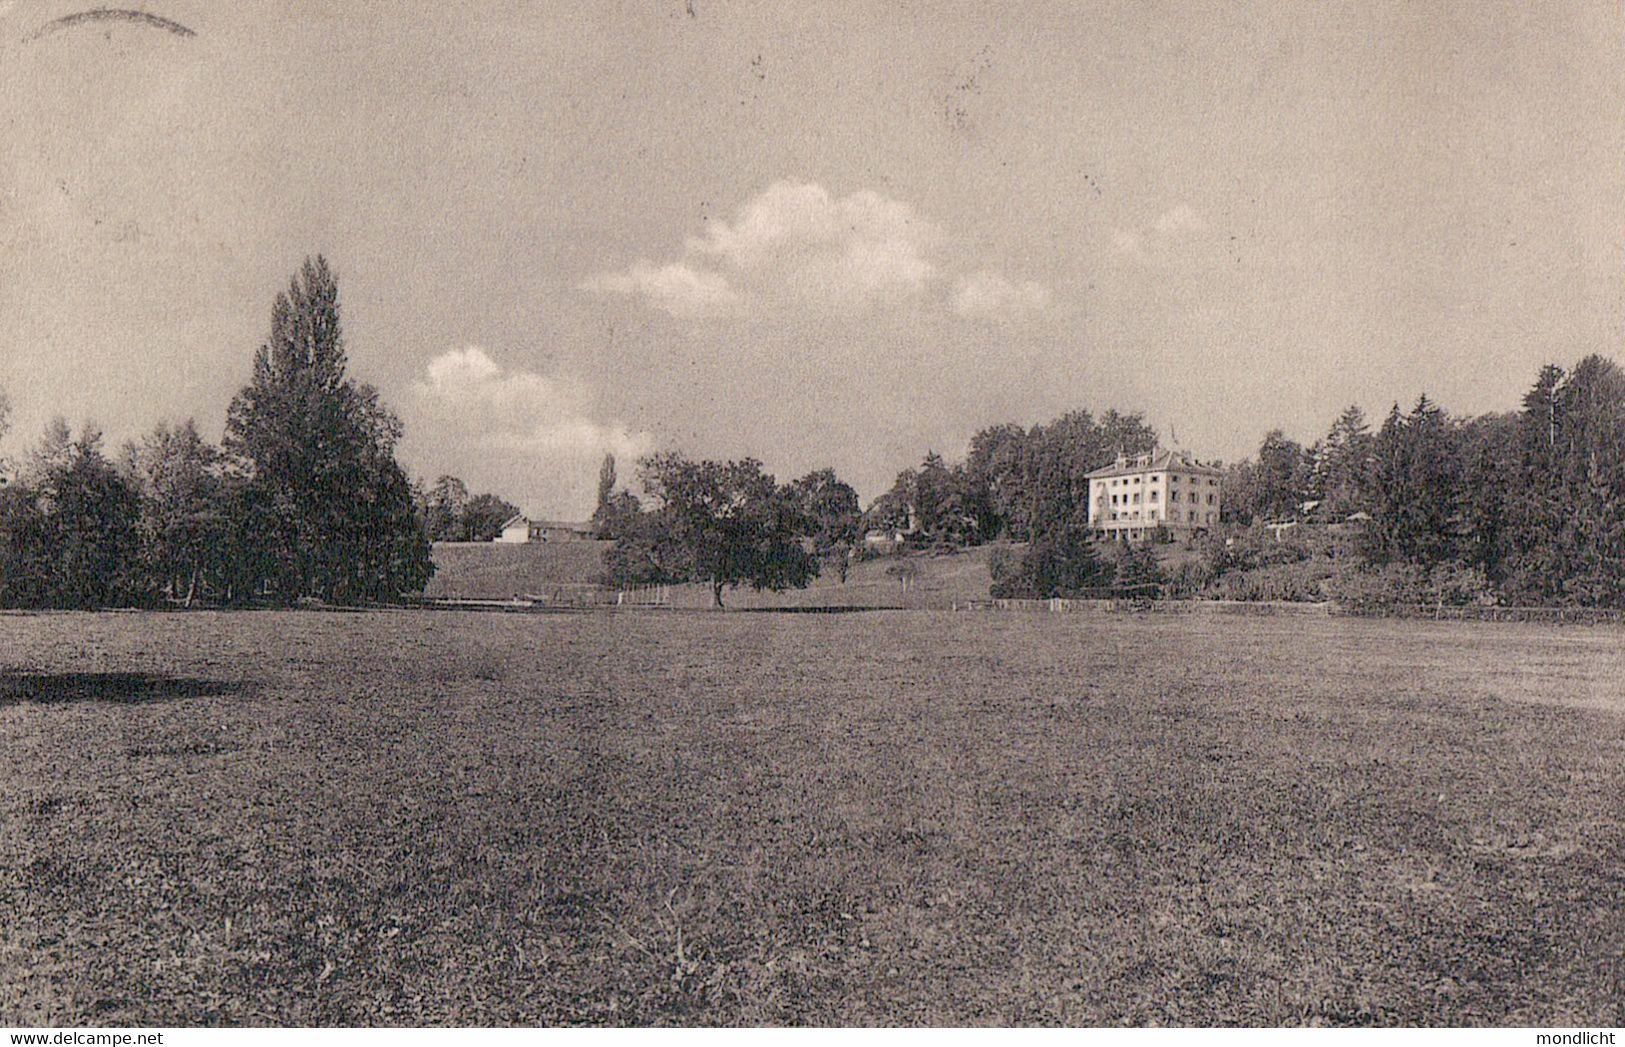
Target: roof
x=1155, y=461
x=552, y=525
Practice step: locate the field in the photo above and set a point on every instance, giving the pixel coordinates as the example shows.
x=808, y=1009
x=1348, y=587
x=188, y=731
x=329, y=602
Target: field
x=890, y=817
x=492, y=570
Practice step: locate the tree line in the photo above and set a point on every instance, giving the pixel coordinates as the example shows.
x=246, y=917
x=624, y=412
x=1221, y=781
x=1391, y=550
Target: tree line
x=303, y=498
x=1526, y=506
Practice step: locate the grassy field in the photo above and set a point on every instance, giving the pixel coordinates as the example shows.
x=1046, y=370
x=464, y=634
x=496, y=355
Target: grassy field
x=899, y=817
x=497, y=571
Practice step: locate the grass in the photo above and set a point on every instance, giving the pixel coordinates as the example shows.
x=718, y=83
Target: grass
x=900, y=817
x=498, y=570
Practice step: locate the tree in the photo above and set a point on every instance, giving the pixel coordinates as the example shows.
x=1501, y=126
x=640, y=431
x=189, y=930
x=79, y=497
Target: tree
x=831, y=515
x=994, y=477
x=615, y=510
x=445, y=505
x=1139, y=576
x=183, y=511
x=1054, y=564
x=1340, y=467
x=606, y=491
x=730, y=522
x=331, y=512
x=5, y=426
x=73, y=527
x=1416, y=489
x=483, y=518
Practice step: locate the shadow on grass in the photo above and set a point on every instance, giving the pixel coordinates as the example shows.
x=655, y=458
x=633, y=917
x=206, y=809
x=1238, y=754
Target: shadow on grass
x=118, y=688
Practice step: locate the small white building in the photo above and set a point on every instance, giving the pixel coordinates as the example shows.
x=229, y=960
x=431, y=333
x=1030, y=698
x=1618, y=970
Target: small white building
x=521, y=529
x=1133, y=497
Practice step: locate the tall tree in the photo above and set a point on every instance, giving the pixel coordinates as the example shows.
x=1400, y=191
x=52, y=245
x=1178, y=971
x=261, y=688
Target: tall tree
x=333, y=514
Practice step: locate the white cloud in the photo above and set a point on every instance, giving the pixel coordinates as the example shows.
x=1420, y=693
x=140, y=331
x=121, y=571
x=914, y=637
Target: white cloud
x=990, y=295
x=792, y=244
x=1181, y=218
x=678, y=288
x=1159, y=241
x=528, y=436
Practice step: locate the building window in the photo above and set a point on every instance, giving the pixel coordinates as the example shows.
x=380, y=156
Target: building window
x=1210, y=499
x=1153, y=496
x=1136, y=497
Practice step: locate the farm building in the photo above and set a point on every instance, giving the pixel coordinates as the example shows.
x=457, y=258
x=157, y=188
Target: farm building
x=521, y=529
x=1136, y=495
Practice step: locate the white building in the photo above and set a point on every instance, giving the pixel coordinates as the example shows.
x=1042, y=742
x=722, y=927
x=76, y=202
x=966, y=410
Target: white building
x=523, y=529
x=1134, y=496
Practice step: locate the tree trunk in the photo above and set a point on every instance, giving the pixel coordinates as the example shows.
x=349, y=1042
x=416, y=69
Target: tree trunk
x=716, y=592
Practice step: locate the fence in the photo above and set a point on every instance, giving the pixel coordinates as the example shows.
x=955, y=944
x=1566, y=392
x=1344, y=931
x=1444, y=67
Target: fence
x=1437, y=612
x=644, y=596
x=1486, y=613
x=1144, y=606
x=562, y=597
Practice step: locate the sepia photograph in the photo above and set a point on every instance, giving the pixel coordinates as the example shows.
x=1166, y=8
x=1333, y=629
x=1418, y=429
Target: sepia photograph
x=868, y=514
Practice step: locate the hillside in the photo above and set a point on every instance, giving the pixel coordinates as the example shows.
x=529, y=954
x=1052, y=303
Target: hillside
x=941, y=579
x=488, y=570
x=493, y=570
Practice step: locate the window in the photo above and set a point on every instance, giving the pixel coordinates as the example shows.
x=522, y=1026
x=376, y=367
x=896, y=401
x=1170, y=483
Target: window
x=1173, y=496
x=1114, y=499
x=1153, y=496
x=1210, y=499
x=1193, y=516
x=1136, y=497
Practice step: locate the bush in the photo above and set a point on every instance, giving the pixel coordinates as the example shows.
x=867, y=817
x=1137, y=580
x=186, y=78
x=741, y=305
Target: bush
x=1402, y=583
x=1300, y=582
x=1052, y=566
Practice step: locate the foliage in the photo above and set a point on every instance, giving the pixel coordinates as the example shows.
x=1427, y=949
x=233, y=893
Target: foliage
x=1057, y=564
x=829, y=508
x=724, y=523
x=184, y=518
x=70, y=532
x=330, y=513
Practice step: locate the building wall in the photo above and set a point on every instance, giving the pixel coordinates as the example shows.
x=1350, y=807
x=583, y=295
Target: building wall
x=1153, y=498
x=515, y=535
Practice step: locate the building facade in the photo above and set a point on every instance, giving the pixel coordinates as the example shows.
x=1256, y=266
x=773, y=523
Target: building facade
x=521, y=529
x=1135, y=496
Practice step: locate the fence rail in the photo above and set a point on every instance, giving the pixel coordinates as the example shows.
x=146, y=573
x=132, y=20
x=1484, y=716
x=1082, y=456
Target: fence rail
x=1437, y=612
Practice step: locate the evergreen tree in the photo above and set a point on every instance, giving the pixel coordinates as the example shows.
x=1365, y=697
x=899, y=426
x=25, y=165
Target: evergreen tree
x=331, y=513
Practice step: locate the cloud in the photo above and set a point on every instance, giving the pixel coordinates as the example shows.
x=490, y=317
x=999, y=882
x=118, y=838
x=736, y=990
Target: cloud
x=792, y=244
x=1182, y=218
x=532, y=437
x=992, y=296
x=1158, y=240
x=679, y=288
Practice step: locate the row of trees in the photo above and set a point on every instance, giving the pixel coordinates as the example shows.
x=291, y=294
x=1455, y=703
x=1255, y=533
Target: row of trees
x=1530, y=502
x=303, y=499
x=451, y=514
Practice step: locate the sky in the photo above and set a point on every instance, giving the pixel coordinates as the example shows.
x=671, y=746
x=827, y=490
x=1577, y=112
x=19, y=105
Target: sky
x=816, y=234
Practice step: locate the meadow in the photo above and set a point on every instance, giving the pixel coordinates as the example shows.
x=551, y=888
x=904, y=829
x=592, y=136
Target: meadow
x=402, y=817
